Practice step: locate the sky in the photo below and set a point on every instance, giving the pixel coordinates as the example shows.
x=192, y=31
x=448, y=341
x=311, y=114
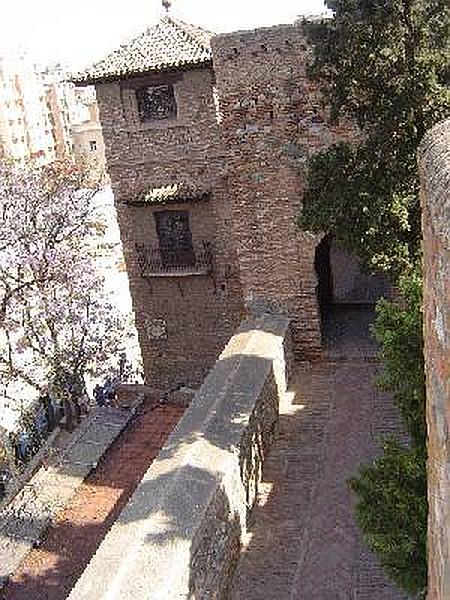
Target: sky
x=78, y=32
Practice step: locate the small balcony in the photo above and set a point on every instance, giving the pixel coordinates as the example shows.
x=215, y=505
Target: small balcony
x=170, y=261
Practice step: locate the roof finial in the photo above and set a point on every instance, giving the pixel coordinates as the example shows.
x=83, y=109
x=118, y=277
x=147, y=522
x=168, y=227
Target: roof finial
x=166, y=4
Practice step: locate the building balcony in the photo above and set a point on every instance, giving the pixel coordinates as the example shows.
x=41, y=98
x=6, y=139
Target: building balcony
x=170, y=261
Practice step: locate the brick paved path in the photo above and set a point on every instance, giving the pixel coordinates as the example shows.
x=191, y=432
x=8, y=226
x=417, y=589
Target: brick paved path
x=304, y=544
x=50, y=572
x=26, y=518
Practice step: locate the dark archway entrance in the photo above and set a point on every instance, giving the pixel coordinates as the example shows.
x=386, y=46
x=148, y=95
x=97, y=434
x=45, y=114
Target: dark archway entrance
x=345, y=294
x=322, y=264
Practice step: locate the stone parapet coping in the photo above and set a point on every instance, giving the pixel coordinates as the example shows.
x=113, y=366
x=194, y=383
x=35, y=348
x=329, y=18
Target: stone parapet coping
x=25, y=520
x=179, y=536
x=434, y=168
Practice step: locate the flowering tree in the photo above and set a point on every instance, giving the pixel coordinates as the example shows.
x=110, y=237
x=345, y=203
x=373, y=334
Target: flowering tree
x=57, y=325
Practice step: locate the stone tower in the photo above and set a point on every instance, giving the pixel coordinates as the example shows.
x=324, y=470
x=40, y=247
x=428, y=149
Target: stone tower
x=207, y=149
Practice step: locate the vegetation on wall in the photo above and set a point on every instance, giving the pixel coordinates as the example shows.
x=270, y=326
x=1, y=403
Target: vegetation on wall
x=384, y=65
x=398, y=330
x=392, y=512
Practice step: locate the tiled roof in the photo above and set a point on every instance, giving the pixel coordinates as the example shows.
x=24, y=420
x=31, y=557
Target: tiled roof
x=170, y=44
x=176, y=192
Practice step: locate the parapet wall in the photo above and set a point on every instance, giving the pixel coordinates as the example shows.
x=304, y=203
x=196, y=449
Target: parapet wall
x=434, y=164
x=179, y=536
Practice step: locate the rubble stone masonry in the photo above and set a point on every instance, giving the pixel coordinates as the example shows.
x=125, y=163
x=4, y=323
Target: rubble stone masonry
x=434, y=163
x=271, y=123
x=243, y=132
x=183, y=526
x=183, y=322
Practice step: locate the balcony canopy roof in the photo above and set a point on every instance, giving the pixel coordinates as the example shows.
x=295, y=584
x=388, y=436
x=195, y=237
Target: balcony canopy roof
x=171, y=193
x=170, y=44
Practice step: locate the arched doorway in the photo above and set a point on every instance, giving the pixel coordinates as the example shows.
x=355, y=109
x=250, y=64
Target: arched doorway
x=346, y=295
x=322, y=264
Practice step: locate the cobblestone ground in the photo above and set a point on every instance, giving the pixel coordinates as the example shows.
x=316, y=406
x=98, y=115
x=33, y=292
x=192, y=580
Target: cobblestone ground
x=305, y=544
x=50, y=571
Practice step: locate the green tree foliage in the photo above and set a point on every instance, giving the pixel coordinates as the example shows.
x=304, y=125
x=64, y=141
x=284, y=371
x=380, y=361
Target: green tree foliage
x=398, y=330
x=392, y=512
x=392, y=492
x=385, y=65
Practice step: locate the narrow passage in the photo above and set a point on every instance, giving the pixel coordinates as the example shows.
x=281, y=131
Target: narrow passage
x=304, y=543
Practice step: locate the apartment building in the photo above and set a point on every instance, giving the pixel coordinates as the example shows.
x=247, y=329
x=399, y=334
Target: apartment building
x=86, y=131
x=25, y=125
x=44, y=117
x=62, y=108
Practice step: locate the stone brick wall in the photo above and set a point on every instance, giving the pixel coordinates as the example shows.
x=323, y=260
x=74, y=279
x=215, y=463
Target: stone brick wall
x=271, y=124
x=199, y=313
x=434, y=164
x=179, y=536
x=243, y=132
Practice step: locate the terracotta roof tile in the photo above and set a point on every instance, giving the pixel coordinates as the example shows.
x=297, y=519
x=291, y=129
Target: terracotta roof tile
x=169, y=44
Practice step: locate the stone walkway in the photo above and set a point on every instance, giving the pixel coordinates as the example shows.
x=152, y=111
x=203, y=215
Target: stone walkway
x=50, y=571
x=305, y=544
x=27, y=517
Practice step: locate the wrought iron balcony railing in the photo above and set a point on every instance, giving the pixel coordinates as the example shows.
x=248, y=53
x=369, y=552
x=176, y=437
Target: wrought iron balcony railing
x=160, y=261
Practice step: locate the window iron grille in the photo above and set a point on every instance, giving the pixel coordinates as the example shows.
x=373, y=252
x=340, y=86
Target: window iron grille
x=156, y=103
x=157, y=261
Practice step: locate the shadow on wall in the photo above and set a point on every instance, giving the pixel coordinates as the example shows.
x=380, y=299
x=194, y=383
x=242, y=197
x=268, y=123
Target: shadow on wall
x=183, y=526
x=213, y=547
x=206, y=539
x=63, y=565
x=190, y=507
x=180, y=535
x=304, y=542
